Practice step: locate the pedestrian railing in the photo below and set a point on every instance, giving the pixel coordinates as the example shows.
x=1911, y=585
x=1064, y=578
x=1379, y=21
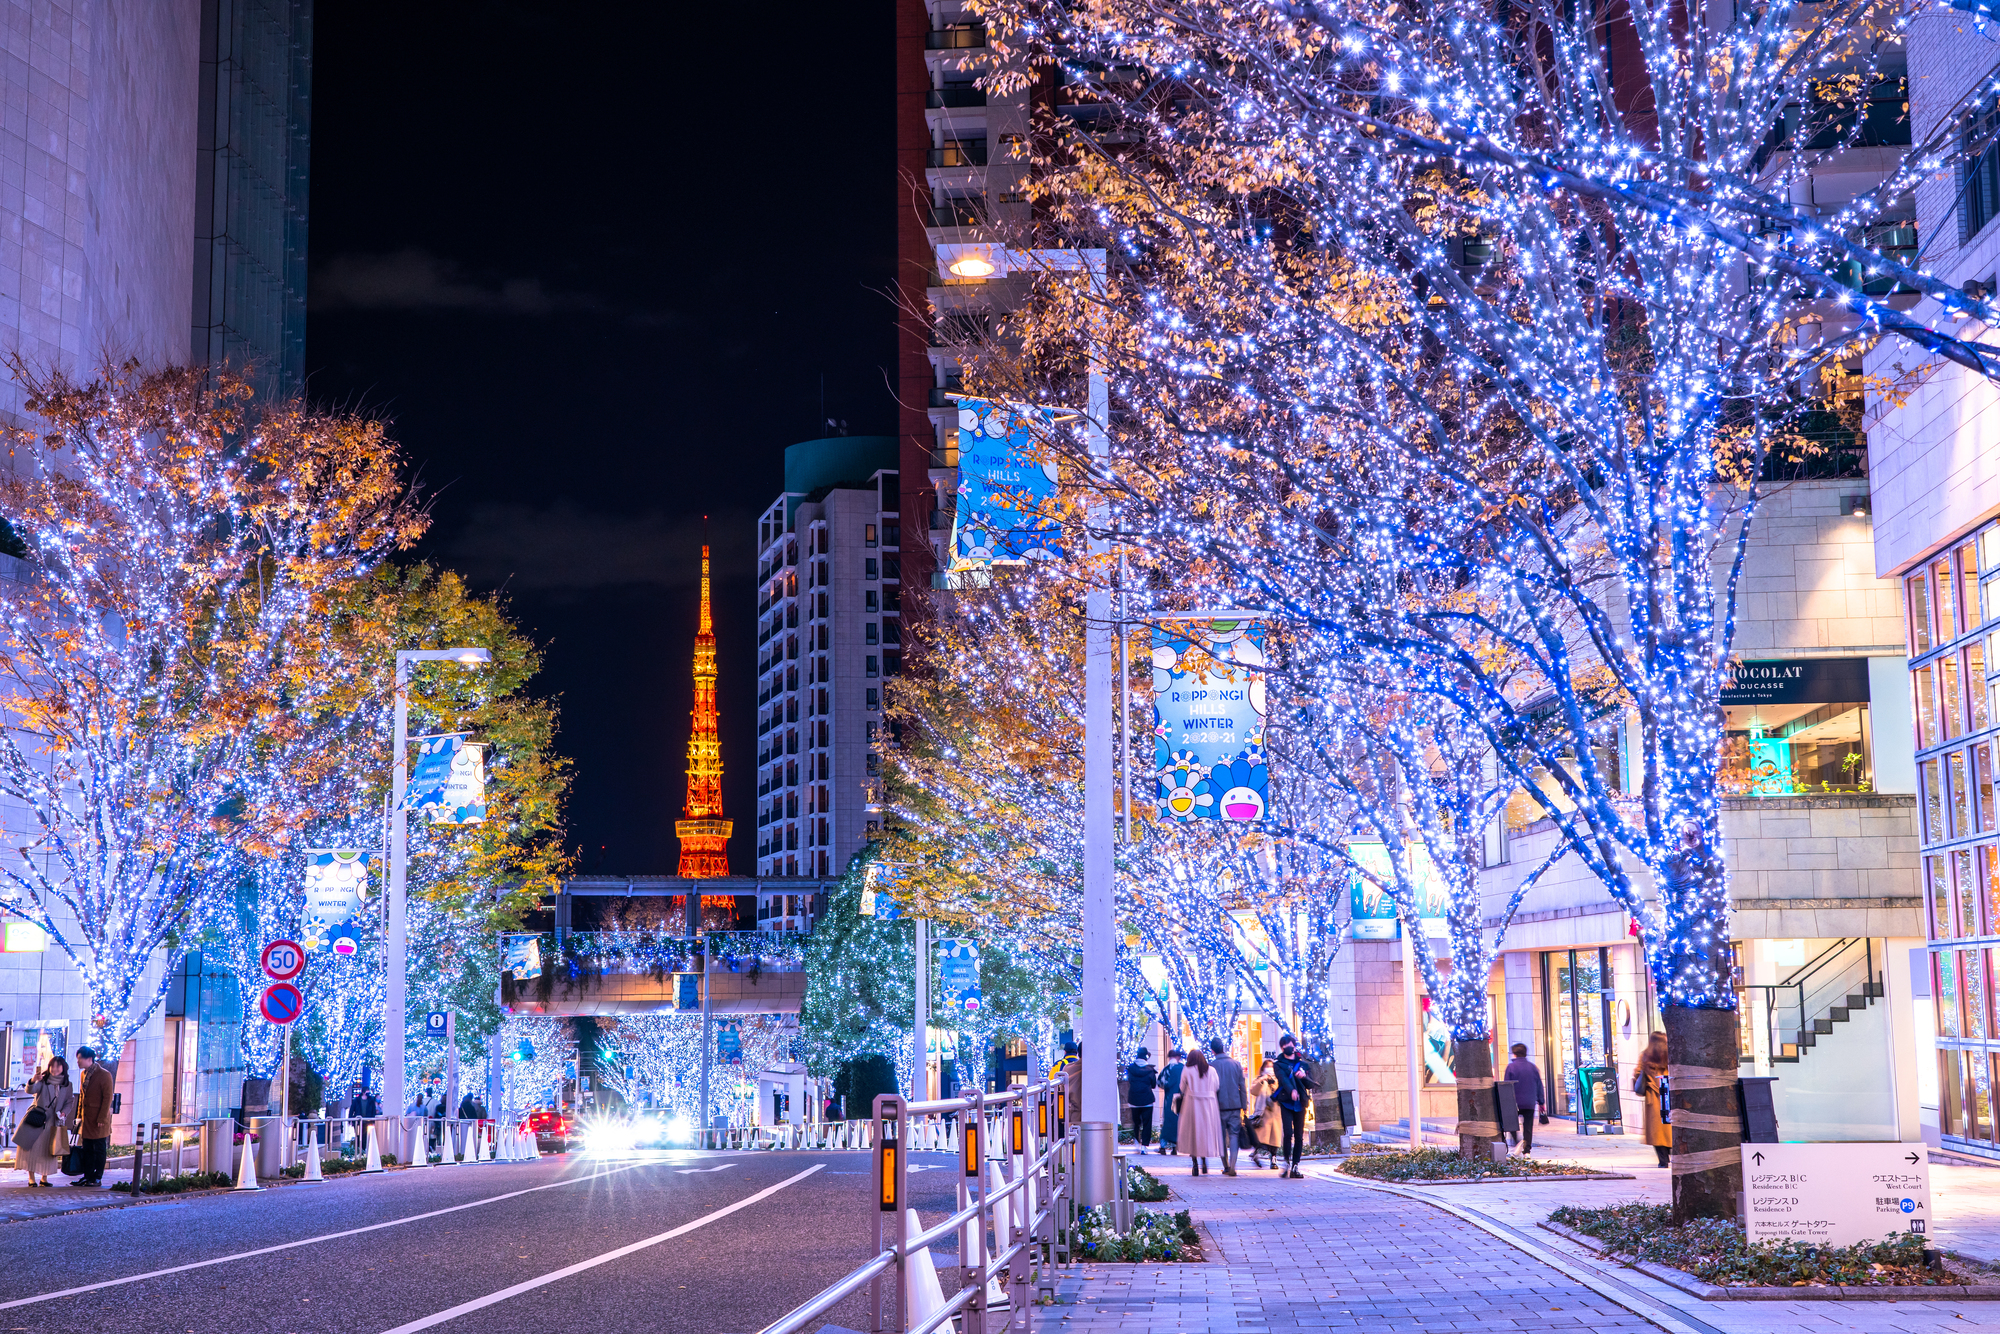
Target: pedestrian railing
x=1016, y=1212
x=819, y=1135
x=164, y=1149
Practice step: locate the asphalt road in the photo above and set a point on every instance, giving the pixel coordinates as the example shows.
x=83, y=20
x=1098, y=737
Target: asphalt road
x=493, y=1248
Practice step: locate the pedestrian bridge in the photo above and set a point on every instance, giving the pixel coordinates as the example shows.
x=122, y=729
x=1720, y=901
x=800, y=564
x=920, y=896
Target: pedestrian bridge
x=637, y=972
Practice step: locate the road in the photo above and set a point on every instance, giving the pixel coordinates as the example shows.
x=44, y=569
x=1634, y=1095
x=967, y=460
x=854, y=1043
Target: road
x=569, y=1242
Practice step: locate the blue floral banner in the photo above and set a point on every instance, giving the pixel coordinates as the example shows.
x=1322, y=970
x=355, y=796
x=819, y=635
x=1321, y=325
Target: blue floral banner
x=958, y=975
x=1208, y=721
x=1006, y=486
x=336, y=887
x=448, y=780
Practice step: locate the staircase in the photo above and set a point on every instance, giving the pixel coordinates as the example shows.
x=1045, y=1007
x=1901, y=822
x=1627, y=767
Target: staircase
x=1797, y=1012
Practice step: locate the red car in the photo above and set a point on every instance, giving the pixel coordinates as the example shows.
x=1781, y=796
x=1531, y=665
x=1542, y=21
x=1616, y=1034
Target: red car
x=552, y=1129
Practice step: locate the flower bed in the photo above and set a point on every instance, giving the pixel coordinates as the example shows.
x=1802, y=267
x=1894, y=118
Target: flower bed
x=333, y=1167
x=1448, y=1165
x=1143, y=1186
x=174, y=1185
x=1154, y=1236
x=1715, y=1250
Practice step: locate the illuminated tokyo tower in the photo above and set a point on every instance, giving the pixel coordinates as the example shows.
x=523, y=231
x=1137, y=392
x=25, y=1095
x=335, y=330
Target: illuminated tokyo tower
x=704, y=835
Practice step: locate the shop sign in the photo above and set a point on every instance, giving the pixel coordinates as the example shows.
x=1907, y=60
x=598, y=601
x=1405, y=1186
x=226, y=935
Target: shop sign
x=1835, y=1194
x=1796, y=681
x=1372, y=909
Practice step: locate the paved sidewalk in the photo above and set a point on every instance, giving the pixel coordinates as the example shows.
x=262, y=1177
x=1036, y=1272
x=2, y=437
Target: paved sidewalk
x=1319, y=1255
x=1328, y=1253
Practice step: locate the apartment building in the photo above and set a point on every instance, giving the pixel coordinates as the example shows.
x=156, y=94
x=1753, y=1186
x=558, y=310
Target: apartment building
x=830, y=634
x=1935, y=486
x=153, y=184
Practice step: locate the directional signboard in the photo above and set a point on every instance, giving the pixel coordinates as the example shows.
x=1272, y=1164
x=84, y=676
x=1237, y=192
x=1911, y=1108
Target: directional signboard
x=282, y=1003
x=1836, y=1194
x=283, y=960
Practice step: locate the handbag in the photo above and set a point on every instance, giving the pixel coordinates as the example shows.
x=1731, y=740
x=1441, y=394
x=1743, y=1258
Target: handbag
x=72, y=1163
x=1639, y=1079
x=35, y=1119
x=59, y=1142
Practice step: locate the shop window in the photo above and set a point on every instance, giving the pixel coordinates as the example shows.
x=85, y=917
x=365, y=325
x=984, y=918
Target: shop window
x=1968, y=894
x=1944, y=985
x=1916, y=594
x=1951, y=1083
x=1926, y=707
x=1931, y=793
x=1978, y=1097
x=1972, y=981
x=1793, y=726
x=1978, y=714
x=1938, y=878
x=1960, y=793
x=1950, y=705
x=1944, y=607
x=1989, y=883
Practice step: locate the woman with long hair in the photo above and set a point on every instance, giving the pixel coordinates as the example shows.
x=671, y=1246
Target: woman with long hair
x=36, y=1149
x=1648, y=1081
x=1267, y=1131
x=1201, y=1117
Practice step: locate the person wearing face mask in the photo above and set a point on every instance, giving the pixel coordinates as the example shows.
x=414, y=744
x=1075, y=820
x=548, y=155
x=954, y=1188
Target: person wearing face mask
x=1295, y=1085
x=1170, y=1093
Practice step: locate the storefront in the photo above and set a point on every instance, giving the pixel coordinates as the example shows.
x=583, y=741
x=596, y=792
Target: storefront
x=1595, y=1017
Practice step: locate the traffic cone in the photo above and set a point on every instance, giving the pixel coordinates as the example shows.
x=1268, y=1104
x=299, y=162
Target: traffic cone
x=419, y=1153
x=478, y=1154
x=374, y=1163
x=312, y=1156
x=246, y=1167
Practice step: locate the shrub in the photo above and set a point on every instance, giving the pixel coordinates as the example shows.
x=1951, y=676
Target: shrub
x=1154, y=1236
x=1447, y=1165
x=174, y=1185
x=1715, y=1250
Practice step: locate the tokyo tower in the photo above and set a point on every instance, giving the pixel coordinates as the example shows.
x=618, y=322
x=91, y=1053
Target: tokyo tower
x=704, y=835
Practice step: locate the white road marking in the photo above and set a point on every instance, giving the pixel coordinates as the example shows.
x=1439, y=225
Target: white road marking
x=690, y=1171
x=480, y=1303
x=309, y=1241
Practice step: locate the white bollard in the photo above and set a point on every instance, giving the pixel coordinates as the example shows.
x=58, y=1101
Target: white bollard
x=478, y=1154
x=246, y=1167
x=419, y=1154
x=312, y=1154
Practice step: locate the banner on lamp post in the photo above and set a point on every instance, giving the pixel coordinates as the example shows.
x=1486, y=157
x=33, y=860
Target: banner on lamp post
x=1208, y=721
x=958, y=975
x=448, y=780
x=523, y=957
x=1373, y=909
x=336, y=888
x=1006, y=487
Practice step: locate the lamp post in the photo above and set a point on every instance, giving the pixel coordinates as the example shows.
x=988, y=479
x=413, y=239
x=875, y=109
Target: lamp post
x=397, y=928
x=1098, y=1030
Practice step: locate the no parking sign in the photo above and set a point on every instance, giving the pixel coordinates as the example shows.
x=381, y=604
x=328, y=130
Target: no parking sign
x=282, y=1003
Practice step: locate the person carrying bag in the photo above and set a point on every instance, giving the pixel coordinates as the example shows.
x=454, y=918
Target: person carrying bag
x=43, y=1137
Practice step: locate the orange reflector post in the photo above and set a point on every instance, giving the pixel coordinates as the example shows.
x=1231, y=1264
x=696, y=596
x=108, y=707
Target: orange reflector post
x=1042, y=1117
x=885, y=1160
x=968, y=1142
x=1020, y=1144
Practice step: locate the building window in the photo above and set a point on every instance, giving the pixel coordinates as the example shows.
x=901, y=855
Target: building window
x=867, y=534
x=873, y=670
x=874, y=698
x=868, y=568
x=892, y=632
x=892, y=663
x=1979, y=202
x=869, y=634
x=869, y=604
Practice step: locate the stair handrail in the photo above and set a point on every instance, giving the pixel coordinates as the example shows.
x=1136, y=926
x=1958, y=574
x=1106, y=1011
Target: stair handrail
x=1796, y=985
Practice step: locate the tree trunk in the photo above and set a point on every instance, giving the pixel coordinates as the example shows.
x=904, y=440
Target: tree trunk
x=1707, y=1112
x=1472, y=1068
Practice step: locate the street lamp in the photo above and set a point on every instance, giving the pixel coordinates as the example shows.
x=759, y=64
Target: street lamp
x=1098, y=1025
x=397, y=929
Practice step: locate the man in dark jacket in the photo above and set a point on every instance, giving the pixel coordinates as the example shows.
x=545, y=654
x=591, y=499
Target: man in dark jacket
x=1231, y=1097
x=93, y=1118
x=1295, y=1085
x=1141, y=1079
x=1529, y=1095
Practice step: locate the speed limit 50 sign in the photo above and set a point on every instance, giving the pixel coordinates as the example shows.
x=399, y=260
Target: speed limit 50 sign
x=283, y=960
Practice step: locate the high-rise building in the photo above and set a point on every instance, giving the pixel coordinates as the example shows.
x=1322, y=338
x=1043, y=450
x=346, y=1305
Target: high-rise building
x=704, y=834
x=829, y=633
x=957, y=177
x=152, y=153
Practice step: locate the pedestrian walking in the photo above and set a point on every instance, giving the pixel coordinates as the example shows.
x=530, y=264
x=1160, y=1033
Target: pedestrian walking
x=1201, y=1120
x=1170, y=1088
x=1231, y=1097
x=1295, y=1085
x=1266, y=1127
x=42, y=1137
x=1649, y=1082
x=1529, y=1095
x=1141, y=1084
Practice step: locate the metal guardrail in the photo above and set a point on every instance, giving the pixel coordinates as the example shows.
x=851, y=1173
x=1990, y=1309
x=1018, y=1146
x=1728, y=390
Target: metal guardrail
x=1018, y=1139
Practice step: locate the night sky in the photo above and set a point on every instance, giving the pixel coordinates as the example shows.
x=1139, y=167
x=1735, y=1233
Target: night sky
x=592, y=264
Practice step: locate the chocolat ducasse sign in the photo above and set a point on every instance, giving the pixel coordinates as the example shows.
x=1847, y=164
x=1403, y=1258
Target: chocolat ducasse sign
x=1796, y=681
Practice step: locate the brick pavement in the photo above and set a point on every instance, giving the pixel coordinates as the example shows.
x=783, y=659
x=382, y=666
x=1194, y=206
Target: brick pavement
x=1322, y=1255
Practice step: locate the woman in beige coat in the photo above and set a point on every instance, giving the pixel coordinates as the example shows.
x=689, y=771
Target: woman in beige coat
x=34, y=1146
x=1270, y=1131
x=1201, y=1116
x=1646, y=1082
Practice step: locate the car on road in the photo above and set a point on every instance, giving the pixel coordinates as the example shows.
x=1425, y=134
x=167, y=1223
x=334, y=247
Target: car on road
x=552, y=1129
